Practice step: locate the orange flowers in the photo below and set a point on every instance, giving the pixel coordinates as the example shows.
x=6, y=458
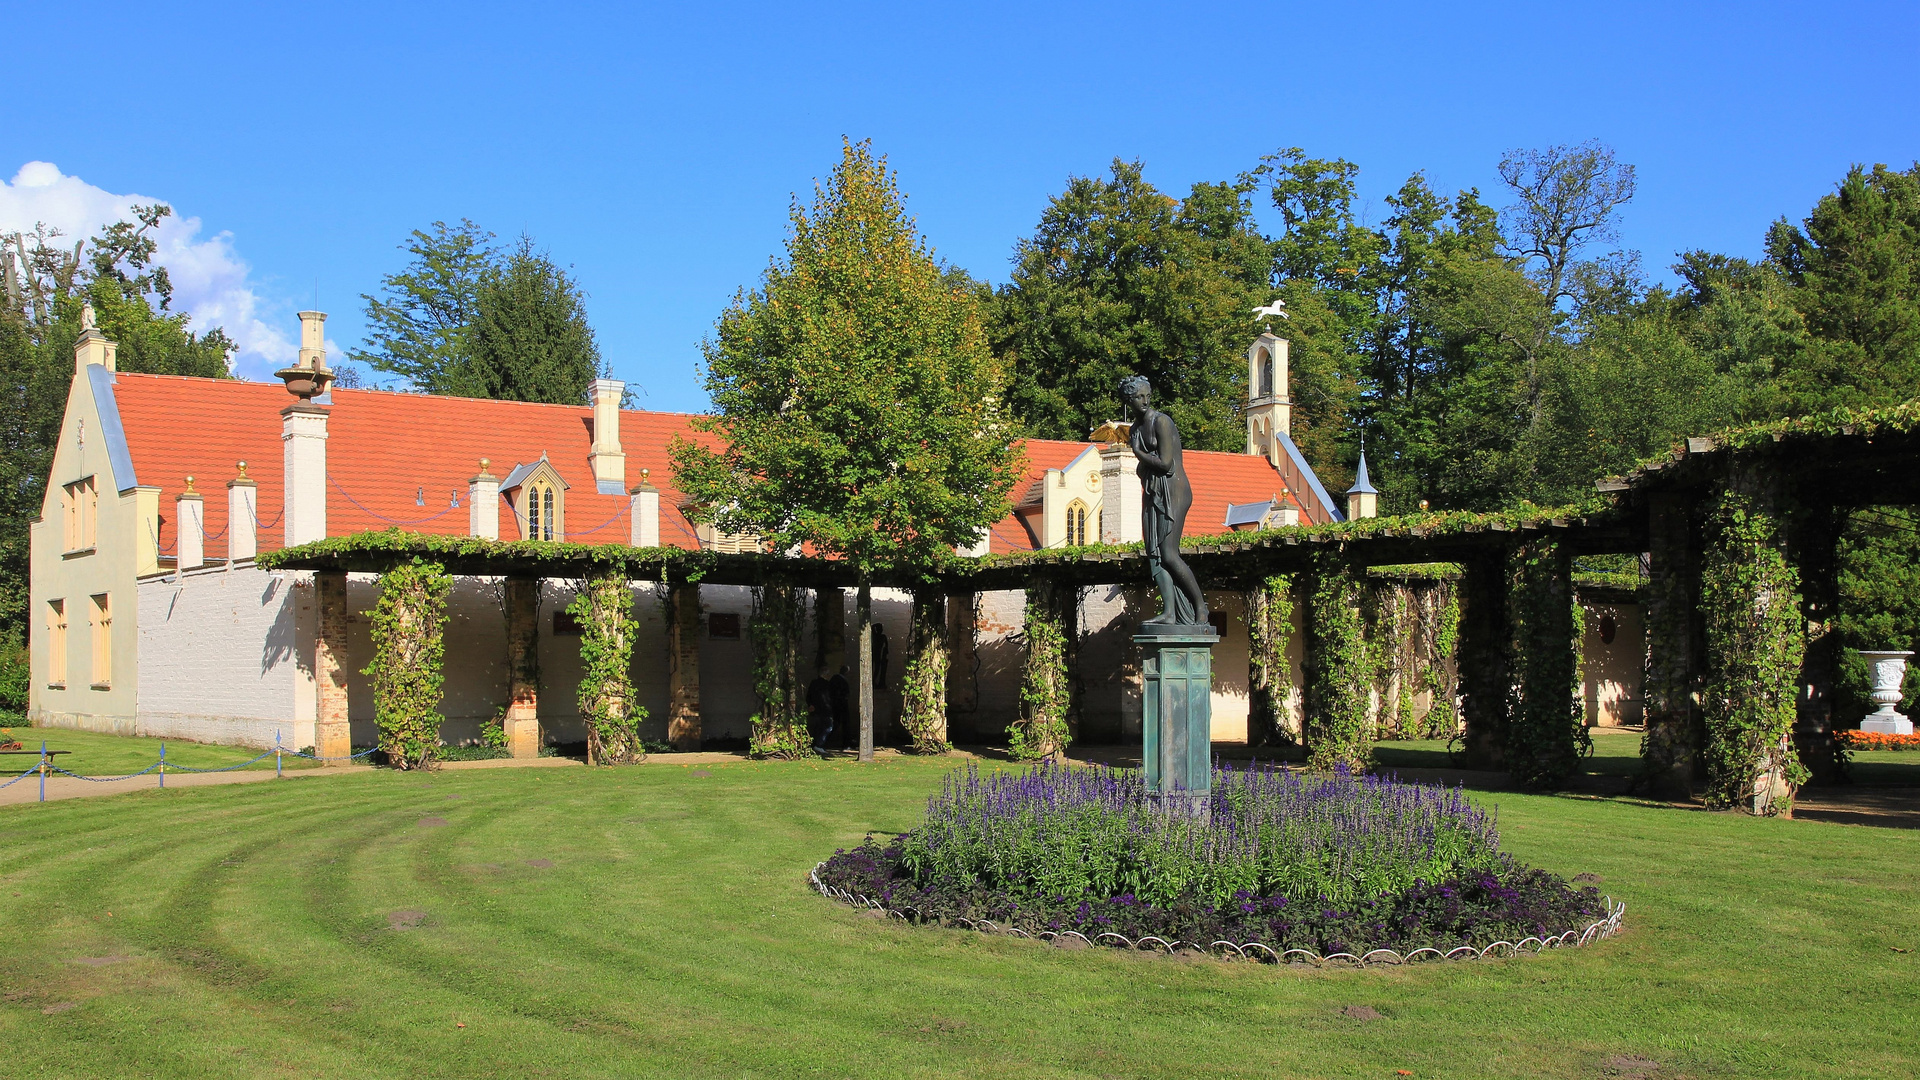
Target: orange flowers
x=1877, y=740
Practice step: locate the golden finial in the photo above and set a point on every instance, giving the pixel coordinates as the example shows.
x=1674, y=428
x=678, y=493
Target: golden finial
x=243, y=470
x=484, y=462
x=1423, y=506
x=190, y=490
x=643, y=475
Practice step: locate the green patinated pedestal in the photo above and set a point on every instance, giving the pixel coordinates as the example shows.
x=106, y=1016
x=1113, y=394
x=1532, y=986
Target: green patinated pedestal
x=1177, y=713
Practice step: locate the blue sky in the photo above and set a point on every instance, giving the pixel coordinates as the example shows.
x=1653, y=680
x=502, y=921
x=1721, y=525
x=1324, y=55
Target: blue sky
x=656, y=150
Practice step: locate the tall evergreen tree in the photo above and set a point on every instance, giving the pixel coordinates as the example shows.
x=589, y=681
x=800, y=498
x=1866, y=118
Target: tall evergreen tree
x=530, y=339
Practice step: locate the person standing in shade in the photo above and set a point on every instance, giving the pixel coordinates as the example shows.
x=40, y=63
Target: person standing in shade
x=840, y=694
x=820, y=709
x=882, y=651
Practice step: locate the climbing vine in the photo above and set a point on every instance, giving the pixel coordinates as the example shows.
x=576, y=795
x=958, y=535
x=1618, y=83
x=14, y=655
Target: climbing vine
x=1441, y=673
x=1269, y=625
x=1045, y=693
x=780, y=727
x=924, y=685
x=1338, y=671
x=1750, y=603
x=409, y=645
x=1547, y=735
x=604, y=608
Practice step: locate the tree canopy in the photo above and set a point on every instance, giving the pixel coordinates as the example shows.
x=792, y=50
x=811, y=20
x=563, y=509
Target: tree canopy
x=861, y=410
x=467, y=319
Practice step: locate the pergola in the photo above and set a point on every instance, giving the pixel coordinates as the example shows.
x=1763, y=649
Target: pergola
x=1517, y=621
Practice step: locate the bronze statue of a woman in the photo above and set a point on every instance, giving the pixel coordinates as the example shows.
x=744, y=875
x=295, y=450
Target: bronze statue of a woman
x=1166, y=498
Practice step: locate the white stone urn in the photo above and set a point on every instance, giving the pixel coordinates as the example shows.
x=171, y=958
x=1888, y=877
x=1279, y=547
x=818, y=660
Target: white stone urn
x=1889, y=668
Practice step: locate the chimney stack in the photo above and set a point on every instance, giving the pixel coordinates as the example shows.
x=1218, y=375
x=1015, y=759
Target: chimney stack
x=303, y=437
x=483, y=504
x=190, y=529
x=608, y=460
x=1120, y=495
x=243, y=509
x=646, y=514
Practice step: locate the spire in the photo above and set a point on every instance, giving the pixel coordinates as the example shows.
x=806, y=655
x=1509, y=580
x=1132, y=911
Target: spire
x=1360, y=483
x=1361, y=486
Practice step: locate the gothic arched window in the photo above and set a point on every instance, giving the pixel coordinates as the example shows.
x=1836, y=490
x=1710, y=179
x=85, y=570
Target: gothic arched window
x=1076, y=523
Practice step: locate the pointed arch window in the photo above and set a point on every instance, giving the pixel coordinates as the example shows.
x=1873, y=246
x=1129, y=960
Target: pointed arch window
x=1076, y=523
x=543, y=506
x=538, y=495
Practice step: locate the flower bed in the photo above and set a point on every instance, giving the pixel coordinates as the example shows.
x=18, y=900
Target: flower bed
x=1877, y=740
x=1318, y=866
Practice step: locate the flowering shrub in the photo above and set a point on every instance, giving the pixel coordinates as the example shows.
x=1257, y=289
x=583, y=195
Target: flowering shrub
x=1330, y=863
x=1877, y=740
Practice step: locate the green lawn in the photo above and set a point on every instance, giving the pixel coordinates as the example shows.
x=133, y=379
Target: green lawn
x=92, y=753
x=654, y=921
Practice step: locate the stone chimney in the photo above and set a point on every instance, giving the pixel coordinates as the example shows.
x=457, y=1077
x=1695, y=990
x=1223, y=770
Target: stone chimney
x=190, y=529
x=1120, y=496
x=92, y=346
x=608, y=460
x=483, y=503
x=645, y=513
x=1269, y=410
x=303, y=436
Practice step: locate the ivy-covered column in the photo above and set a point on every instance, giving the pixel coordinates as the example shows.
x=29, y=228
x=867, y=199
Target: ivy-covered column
x=1675, y=645
x=409, y=645
x=1485, y=659
x=521, y=601
x=604, y=609
x=1041, y=729
x=780, y=728
x=1546, y=734
x=1813, y=538
x=1338, y=673
x=683, y=666
x=924, y=682
x=963, y=668
x=1269, y=627
x=1750, y=602
x=332, y=729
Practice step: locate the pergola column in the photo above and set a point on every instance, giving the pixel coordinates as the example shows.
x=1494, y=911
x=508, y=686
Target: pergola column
x=1486, y=659
x=1812, y=541
x=683, y=666
x=1676, y=646
x=963, y=687
x=522, y=603
x=333, y=732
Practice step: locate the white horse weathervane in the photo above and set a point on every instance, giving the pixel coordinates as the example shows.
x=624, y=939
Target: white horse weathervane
x=1268, y=311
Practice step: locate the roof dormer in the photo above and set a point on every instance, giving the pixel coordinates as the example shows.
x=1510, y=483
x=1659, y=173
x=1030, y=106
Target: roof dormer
x=538, y=496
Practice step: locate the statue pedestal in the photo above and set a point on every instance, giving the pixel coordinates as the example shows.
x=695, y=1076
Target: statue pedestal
x=1177, y=714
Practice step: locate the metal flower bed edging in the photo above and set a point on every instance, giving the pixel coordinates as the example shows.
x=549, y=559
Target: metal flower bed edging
x=1246, y=950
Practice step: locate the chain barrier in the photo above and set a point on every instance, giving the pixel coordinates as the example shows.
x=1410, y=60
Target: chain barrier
x=1596, y=931
x=45, y=766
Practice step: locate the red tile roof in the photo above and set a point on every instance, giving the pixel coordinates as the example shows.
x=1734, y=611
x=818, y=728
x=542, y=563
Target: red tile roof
x=388, y=451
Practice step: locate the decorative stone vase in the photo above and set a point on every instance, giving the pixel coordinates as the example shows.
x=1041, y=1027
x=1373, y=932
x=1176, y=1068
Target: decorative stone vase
x=1889, y=668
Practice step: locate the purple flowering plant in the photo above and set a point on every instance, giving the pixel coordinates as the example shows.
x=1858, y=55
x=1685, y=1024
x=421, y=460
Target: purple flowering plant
x=1332, y=862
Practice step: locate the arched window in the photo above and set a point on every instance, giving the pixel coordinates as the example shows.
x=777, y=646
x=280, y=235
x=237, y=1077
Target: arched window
x=543, y=510
x=1266, y=373
x=1076, y=523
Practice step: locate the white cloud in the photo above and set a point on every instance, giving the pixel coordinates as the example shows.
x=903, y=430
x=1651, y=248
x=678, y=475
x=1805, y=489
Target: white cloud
x=210, y=279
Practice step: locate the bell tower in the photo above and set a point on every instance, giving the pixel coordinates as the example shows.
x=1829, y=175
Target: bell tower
x=1269, y=411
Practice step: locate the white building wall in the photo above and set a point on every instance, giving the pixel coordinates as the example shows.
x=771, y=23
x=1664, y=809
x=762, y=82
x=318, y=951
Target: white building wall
x=217, y=658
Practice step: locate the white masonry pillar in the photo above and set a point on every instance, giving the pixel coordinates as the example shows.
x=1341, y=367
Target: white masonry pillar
x=483, y=504
x=243, y=510
x=645, y=514
x=608, y=460
x=303, y=437
x=1119, y=495
x=190, y=529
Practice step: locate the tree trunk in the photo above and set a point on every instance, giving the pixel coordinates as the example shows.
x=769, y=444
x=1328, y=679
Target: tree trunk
x=864, y=616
